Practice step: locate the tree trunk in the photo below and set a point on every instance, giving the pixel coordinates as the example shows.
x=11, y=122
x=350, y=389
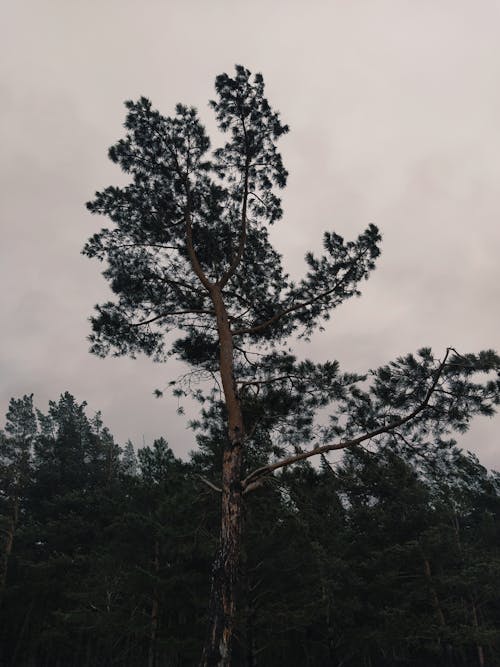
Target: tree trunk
x=155, y=604
x=479, y=648
x=222, y=609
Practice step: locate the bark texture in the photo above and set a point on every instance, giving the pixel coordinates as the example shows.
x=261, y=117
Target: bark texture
x=223, y=597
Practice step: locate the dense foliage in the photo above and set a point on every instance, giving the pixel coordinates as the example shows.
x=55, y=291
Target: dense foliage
x=384, y=559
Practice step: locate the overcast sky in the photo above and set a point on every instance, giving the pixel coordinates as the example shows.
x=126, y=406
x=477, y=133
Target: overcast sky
x=394, y=109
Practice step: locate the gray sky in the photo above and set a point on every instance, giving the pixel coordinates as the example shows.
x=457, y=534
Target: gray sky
x=394, y=109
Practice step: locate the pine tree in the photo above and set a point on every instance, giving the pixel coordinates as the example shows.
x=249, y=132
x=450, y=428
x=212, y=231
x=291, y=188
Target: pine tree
x=15, y=471
x=128, y=464
x=389, y=557
x=189, y=251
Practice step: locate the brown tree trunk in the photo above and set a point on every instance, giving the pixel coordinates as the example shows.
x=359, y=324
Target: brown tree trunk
x=223, y=603
x=222, y=609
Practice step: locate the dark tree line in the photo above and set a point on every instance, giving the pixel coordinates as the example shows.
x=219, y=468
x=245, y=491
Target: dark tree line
x=389, y=557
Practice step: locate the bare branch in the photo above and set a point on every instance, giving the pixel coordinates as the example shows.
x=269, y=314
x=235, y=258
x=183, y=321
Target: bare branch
x=254, y=485
x=253, y=194
x=209, y=483
x=173, y=312
x=268, y=469
x=145, y=245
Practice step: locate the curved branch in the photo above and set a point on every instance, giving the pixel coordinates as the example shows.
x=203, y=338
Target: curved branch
x=209, y=484
x=146, y=245
x=195, y=262
x=250, y=481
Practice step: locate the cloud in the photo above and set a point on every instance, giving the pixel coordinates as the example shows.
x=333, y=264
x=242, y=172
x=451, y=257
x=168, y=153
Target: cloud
x=394, y=116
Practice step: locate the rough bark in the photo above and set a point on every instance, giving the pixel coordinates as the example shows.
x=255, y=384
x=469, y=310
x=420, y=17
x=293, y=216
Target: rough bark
x=222, y=608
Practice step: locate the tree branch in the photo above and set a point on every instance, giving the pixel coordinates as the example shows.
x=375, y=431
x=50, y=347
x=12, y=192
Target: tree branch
x=244, y=223
x=195, y=262
x=252, y=486
x=209, y=483
x=173, y=312
x=275, y=318
x=268, y=469
x=258, y=383
x=146, y=245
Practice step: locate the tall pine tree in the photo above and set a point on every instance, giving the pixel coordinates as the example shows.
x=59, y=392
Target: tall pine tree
x=188, y=250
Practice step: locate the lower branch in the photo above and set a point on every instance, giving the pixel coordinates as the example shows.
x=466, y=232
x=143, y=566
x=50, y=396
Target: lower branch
x=249, y=483
x=209, y=484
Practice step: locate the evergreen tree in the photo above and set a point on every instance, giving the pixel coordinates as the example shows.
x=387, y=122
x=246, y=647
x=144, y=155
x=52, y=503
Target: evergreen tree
x=64, y=503
x=389, y=558
x=15, y=472
x=129, y=460
x=189, y=250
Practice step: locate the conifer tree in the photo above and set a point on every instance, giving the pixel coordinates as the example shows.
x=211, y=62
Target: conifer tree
x=188, y=251
x=389, y=557
x=15, y=471
x=129, y=460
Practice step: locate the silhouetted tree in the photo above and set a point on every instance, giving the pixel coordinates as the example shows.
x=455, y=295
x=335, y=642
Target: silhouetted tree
x=189, y=251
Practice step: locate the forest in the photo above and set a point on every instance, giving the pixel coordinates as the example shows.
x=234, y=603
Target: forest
x=383, y=558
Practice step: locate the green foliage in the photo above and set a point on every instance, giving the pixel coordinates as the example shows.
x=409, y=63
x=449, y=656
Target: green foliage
x=194, y=217
x=380, y=559
x=227, y=196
